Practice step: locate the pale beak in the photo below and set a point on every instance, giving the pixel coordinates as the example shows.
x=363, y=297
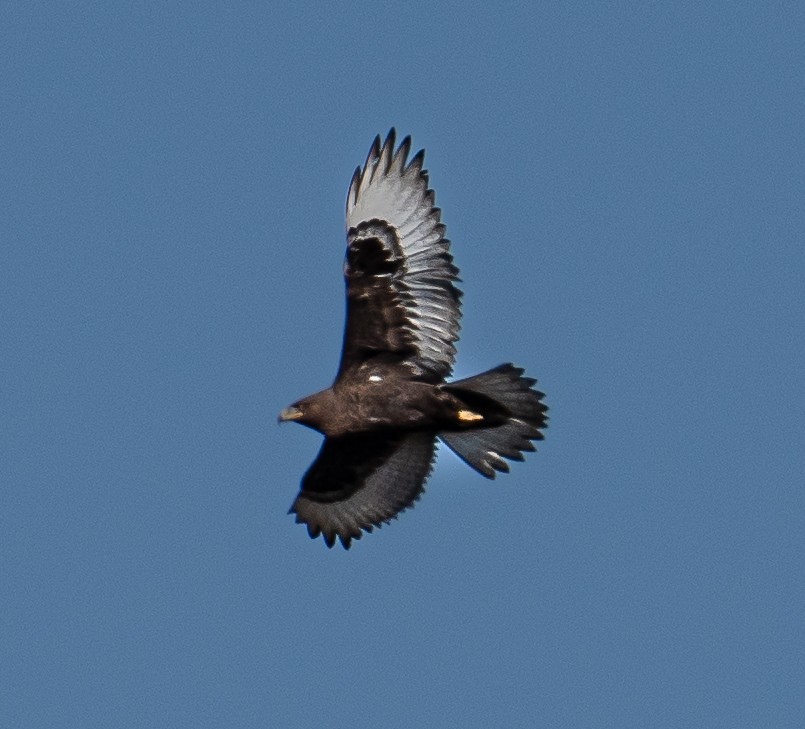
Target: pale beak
x=290, y=413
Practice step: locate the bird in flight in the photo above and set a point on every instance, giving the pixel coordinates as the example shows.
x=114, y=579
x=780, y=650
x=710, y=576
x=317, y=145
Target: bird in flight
x=390, y=400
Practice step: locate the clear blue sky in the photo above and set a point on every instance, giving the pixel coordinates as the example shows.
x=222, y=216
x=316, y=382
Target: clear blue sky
x=624, y=186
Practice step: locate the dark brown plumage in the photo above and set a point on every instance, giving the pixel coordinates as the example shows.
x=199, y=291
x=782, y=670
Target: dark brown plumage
x=390, y=401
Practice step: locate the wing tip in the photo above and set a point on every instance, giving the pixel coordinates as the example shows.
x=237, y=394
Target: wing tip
x=391, y=153
x=333, y=536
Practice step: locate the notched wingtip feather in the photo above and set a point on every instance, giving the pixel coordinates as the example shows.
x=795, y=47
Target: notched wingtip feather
x=404, y=149
x=416, y=163
x=374, y=154
x=354, y=184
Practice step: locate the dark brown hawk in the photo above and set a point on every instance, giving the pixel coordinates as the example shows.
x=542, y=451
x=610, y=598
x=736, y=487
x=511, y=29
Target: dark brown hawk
x=390, y=400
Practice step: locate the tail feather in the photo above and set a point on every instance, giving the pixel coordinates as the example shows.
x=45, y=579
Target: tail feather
x=515, y=409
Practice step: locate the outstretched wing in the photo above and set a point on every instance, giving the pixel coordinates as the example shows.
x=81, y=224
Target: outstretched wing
x=361, y=482
x=401, y=297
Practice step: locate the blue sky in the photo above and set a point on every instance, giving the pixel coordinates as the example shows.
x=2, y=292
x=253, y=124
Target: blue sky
x=623, y=185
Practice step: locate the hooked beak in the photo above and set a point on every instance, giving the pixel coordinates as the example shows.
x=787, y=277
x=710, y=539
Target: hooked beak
x=290, y=413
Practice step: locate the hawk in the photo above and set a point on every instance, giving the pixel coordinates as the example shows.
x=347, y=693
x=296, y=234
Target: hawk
x=391, y=401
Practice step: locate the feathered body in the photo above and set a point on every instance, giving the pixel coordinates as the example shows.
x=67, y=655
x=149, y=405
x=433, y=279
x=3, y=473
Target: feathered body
x=390, y=400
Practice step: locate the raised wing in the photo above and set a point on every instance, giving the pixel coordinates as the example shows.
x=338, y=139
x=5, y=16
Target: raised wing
x=362, y=481
x=401, y=297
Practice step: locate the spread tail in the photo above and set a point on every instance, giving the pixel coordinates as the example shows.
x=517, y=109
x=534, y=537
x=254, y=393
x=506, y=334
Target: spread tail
x=513, y=415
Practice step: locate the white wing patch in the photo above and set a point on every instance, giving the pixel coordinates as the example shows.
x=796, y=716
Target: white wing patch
x=395, y=192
